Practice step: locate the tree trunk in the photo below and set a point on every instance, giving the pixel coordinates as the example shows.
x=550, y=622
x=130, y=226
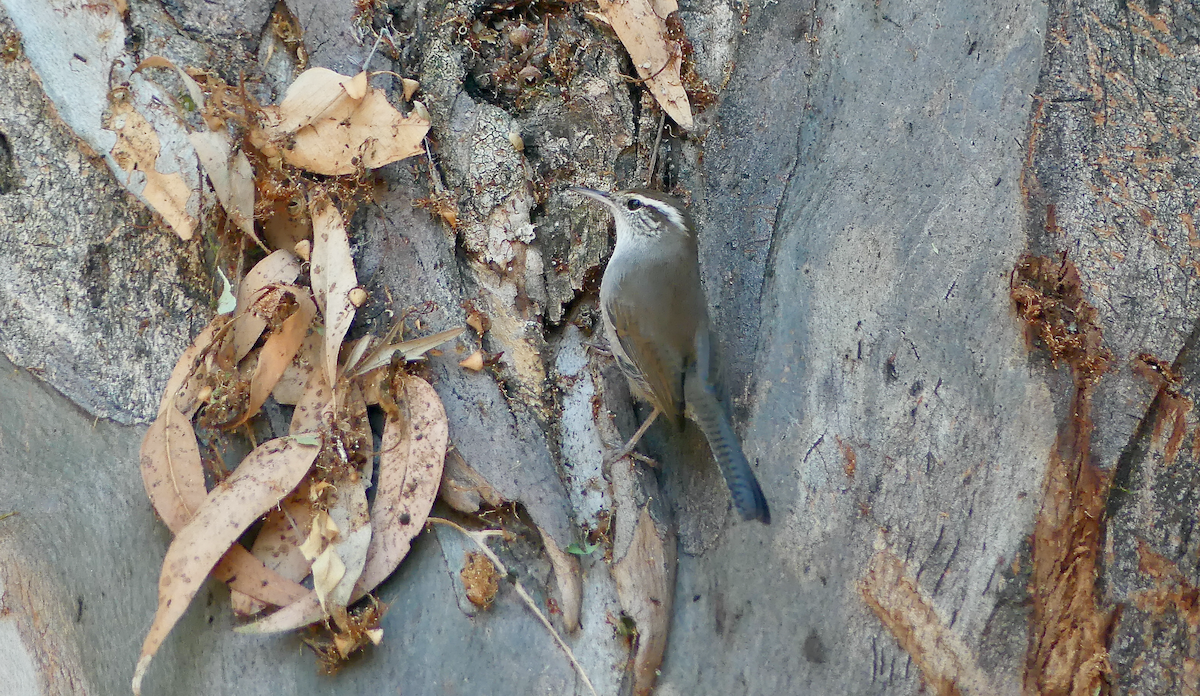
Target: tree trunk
x=949, y=252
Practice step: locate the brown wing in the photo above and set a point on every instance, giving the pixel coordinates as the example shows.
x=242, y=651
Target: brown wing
x=658, y=375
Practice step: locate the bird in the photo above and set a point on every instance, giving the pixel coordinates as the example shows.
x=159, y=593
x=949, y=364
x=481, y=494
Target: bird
x=655, y=318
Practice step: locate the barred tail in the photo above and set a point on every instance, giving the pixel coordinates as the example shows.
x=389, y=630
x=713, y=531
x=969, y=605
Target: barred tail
x=709, y=413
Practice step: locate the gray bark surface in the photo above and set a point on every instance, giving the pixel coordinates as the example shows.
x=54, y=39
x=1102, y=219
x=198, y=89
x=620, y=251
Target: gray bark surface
x=865, y=187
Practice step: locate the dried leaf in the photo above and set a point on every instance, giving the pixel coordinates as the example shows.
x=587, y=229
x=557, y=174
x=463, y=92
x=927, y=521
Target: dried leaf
x=314, y=411
x=641, y=25
x=231, y=176
x=319, y=93
x=567, y=577
x=278, y=268
x=249, y=576
x=171, y=468
x=277, y=544
x=374, y=135
x=277, y=352
x=267, y=474
x=333, y=124
x=410, y=468
x=332, y=277
x=411, y=350
x=136, y=152
x=410, y=87
x=473, y=362
x=645, y=578
x=290, y=388
x=348, y=510
x=327, y=571
x=181, y=389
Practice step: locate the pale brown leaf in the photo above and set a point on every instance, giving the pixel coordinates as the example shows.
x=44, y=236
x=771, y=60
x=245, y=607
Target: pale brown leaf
x=277, y=352
x=319, y=93
x=249, y=576
x=348, y=510
x=332, y=276
x=327, y=570
x=266, y=475
x=290, y=388
x=314, y=411
x=641, y=25
x=372, y=136
x=277, y=546
x=645, y=578
x=410, y=469
x=231, y=176
x=334, y=124
x=278, y=268
x=171, y=468
x=567, y=577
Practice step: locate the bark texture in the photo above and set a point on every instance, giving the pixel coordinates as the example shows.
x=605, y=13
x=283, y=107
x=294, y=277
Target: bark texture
x=950, y=251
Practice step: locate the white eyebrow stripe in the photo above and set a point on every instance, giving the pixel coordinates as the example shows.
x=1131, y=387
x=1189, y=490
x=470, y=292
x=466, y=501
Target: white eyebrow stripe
x=668, y=211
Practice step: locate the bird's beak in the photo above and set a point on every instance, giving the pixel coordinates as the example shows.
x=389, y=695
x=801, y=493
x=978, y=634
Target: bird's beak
x=597, y=195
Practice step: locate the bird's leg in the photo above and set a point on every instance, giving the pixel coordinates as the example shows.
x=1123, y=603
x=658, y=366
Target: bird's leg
x=598, y=346
x=628, y=447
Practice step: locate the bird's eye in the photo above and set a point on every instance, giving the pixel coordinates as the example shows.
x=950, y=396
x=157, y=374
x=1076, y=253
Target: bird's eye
x=633, y=204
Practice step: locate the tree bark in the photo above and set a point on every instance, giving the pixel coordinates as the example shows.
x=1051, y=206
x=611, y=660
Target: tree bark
x=949, y=252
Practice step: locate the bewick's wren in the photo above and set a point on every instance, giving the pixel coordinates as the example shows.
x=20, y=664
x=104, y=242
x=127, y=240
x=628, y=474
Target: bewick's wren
x=656, y=320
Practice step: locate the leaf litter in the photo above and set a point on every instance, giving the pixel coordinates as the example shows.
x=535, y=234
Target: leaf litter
x=278, y=340
x=282, y=338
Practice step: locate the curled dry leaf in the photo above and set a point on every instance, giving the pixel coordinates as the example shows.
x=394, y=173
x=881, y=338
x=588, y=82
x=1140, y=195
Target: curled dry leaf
x=136, y=152
x=642, y=27
x=333, y=277
x=348, y=510
x=277, y=547
x=267, y=474
x=645, y=578
x=328, y=570
x=278, y=268
x=334, y=124
x=411, y=350
x=277, y=353
x=348, y=505
x=183, y=387
x=410, y=468
x=473, y=362
x=231, y=176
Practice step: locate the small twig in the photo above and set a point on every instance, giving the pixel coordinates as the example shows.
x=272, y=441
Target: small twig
x=375, y=47
x=7, y=515
x=478, y=538
x=662, y=121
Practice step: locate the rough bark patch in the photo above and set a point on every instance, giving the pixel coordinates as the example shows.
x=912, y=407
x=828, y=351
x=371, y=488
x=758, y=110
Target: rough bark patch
x=1067, y=648
x=908, y=613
